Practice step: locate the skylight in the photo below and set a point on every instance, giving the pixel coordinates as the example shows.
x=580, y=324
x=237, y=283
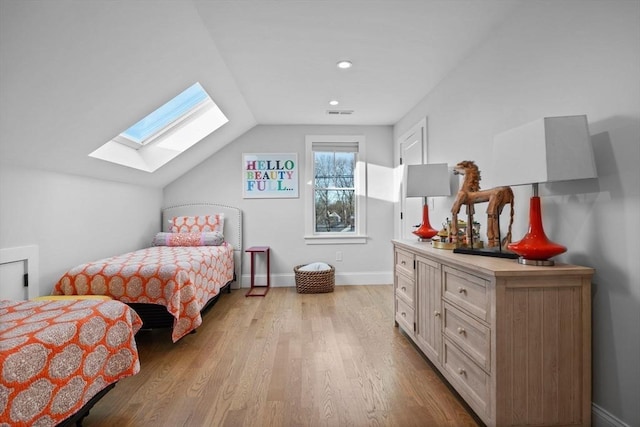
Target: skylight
x=166, y=132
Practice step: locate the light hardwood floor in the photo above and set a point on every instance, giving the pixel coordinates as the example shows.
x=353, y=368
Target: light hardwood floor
x=288, y=359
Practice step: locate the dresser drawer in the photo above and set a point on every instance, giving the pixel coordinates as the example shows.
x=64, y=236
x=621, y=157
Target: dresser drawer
x=467, y=291
x=405, y=288
x=404, y=262
x=405, y=315
x=467, y=378
x=470, y=335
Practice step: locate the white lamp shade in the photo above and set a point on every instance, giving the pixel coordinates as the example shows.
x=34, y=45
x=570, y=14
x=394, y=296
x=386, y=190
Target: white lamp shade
x=546, y=150
x=431, y=179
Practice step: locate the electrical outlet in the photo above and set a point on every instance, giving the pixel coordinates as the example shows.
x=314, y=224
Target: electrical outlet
x=339, y=256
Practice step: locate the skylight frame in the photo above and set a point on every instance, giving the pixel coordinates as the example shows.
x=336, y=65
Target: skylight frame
x=166, y=134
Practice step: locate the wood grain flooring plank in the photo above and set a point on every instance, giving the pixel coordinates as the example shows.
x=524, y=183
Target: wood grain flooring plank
x=287, y=359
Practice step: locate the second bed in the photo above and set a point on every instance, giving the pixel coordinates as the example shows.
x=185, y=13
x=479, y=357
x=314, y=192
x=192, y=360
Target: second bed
x=197, y=255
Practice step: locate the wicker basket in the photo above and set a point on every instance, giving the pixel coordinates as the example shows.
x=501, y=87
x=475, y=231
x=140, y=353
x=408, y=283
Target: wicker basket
x=314, y=282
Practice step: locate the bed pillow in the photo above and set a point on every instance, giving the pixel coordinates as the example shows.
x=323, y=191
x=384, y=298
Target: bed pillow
x=197, y=224
x=211, y=238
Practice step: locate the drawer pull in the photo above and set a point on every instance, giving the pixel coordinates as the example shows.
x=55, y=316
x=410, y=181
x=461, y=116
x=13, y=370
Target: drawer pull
x=404, y=288
x=462, y=290
x=403, y=262
x=461, y=331
x=403, y=314
x=462, y=371
x=436, y=313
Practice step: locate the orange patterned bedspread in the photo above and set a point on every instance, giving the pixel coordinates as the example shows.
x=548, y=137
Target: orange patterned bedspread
x=56, y=355
x=180, y=278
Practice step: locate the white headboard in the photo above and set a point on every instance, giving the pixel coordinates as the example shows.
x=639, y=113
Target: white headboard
x=232, y=227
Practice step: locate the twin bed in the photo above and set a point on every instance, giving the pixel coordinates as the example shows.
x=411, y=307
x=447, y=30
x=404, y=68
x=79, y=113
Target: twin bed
x=195, y=257
x=59, y=357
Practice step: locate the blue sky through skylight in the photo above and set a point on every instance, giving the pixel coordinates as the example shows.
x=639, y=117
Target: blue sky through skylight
x=165, y=115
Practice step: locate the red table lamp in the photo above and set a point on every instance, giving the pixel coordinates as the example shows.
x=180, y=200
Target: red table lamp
x=546, y=150
x=431, y=179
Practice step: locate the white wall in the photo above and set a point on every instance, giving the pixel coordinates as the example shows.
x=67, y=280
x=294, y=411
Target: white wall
x=74, y=219
x=554, y=58
x=74, y=74
x=279, y=223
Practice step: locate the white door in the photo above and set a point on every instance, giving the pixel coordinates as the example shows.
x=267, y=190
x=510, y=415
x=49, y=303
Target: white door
x=413, y=151
x=19, y=277
x=12, y=284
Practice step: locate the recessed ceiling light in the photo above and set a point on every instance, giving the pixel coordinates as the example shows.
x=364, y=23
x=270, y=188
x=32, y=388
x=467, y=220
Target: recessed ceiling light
x=344, y=64
x=334, y=102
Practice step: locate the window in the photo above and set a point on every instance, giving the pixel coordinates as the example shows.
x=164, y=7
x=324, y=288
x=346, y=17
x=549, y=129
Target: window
x=166, y=132
x=164, y=118
x=336, y=189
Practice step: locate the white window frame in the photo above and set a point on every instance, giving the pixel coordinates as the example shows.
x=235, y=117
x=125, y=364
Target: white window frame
x=360, y=176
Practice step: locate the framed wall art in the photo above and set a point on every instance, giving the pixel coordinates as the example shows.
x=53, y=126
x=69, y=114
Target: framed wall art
x=269, y=175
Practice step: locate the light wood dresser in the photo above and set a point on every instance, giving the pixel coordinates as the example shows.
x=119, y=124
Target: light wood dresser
x=513, y=340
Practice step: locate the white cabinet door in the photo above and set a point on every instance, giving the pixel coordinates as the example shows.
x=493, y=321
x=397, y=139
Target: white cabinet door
x=16, y=264
x=12, y=281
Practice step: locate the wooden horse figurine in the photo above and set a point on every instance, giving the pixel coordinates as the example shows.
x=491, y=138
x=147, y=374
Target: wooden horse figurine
x=470, y=194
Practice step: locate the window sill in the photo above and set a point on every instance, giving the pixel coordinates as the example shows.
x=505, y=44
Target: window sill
x=335, y=240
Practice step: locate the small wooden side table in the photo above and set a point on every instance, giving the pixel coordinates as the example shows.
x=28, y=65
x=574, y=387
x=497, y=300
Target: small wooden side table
x=258, y=291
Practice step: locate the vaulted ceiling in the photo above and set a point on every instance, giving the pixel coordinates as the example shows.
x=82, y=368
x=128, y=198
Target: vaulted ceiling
x=74, y=74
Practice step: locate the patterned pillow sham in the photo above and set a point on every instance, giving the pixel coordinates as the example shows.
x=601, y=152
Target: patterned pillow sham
x=197, y=224
x=211, y=238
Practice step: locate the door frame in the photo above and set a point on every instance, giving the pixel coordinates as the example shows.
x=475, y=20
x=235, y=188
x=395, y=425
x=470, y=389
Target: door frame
x=419, y=127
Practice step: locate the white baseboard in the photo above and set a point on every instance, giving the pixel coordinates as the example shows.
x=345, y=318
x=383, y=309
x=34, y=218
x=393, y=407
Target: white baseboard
x=289, y=280
x=602, y=418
